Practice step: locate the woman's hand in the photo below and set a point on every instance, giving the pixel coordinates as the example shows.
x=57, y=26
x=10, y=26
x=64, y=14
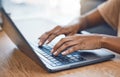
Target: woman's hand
x=71, y=29
x=50, y=35
x=73, y=43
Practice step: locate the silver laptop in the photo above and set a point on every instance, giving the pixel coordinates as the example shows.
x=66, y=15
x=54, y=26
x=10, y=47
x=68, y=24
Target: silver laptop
x=42, y=55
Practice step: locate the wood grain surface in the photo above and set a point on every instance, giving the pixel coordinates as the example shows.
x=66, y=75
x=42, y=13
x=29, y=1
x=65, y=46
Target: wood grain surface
x=13, y=63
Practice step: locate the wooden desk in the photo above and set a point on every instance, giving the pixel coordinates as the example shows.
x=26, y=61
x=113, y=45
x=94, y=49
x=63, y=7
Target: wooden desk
x=14, y=63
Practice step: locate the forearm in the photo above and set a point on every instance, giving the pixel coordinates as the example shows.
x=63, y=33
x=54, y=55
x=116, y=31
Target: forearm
x=112, y=43
x=91, y=19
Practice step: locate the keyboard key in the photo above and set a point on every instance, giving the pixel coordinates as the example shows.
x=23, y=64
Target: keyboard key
x=58, y=64
x=53, y=65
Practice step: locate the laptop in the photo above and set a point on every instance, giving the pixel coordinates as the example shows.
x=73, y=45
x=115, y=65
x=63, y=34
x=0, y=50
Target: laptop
x=42, y=55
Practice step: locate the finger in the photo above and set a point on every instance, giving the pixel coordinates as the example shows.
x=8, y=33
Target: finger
x=45, y=36
x=65, y=46
x=70, y=34
x=71, y=49
x=61, y=42
x=54, y=34
x=56, y=28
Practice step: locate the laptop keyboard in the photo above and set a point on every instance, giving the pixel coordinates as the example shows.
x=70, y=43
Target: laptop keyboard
x=60, y=59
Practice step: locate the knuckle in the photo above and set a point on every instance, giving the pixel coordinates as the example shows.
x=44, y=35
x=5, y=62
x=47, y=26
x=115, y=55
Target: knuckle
x=55, y=47
x=54, y=34
x=73, y=49
x=46, y=33
x=68, y=51
x=62, y=47
x=58, y=33
x=58, y=26
x=66, y=44
x=59, y=50
x=42, y=38
x=62, y=40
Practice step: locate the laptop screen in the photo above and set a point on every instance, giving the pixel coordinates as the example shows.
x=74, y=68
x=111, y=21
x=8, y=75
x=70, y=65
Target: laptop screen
x=15, y=35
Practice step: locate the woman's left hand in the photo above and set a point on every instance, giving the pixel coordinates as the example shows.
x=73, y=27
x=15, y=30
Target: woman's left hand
x=73, y=43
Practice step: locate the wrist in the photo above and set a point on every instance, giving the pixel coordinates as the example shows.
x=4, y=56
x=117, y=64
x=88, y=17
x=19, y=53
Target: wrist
x=105, y=41
x=83, y=24
x=111, y=43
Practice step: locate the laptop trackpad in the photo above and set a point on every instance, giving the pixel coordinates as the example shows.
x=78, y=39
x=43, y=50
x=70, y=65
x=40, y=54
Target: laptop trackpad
x=89, y=55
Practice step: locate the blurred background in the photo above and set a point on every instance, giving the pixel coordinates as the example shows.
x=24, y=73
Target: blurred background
x=59, y=11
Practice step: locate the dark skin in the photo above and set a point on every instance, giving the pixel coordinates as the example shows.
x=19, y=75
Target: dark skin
x=74, y=41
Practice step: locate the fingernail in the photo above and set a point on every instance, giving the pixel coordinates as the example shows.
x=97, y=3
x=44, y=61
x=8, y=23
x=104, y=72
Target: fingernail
x=47, y=42
x=52, y=50
x=40, y=43
x=64, y=53
x=54, y=53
